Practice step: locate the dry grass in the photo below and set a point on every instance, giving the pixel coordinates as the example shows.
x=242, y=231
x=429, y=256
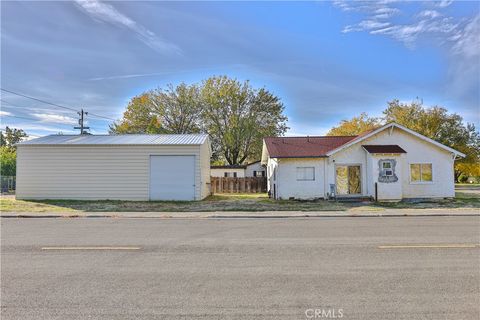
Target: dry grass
x=226, y=202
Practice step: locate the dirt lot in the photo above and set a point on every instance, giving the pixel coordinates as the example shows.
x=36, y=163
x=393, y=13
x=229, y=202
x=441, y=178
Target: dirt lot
x=228, y=202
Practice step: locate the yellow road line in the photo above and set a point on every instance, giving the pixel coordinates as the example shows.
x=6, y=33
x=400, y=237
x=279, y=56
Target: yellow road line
x=91, y=248
x=416, y=246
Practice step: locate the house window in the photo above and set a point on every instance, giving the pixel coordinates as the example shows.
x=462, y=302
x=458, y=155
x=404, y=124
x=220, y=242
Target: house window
x=259, y=173
x=234, y=174
x=305, y=173
x=225, y=174
x=421, y=172
x=387, y=168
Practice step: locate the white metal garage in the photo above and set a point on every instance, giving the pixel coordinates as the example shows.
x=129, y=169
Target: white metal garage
x=123, y=167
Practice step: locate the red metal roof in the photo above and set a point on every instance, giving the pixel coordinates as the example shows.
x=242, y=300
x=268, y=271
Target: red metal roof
x=387, y=148
x=304, y=147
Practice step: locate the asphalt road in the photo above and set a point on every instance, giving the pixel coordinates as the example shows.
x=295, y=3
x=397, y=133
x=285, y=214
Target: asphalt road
x=241, y=268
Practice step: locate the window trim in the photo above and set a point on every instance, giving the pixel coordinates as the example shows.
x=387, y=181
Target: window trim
x=420, y=181
x=305, y=168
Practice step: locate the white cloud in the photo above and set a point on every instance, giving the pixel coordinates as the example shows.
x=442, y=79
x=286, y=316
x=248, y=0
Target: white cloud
x=444, y=3
x=5, y=113
x=432, y=14
x=105, y=12
x=55, y=118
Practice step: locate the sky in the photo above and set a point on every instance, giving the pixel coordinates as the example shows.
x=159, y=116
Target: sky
x=327, y=61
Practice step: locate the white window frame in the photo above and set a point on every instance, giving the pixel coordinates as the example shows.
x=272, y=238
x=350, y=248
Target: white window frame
x=304, y=168
x=421, y=181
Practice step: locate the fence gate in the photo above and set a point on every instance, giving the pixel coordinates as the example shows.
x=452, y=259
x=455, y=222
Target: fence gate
x=7, y=183
x=238, y=185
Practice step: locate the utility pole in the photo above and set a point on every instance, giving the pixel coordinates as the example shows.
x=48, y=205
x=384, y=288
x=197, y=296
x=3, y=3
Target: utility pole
x=82, y=128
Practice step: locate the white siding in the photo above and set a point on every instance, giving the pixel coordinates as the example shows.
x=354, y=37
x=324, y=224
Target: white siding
x=220, y=172
x=93, y=172
x=257, y=166
x=418, y=151
x=287, y=184
x=205, y=155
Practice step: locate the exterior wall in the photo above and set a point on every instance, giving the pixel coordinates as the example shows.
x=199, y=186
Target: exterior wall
x=418, y=151
x=385, y=190
x=205, y=155
x=272, y=166
x=355, y=155
x=287, y=184
x=221, y=172
x=257, y=166
x=95, y=172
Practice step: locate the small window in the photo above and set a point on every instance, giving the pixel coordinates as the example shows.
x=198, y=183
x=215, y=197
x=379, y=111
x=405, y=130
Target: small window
x=386, y=165
x=234, y=174
x=388, y=173
x=225, y=174
x=305, y=173
x=421, y=172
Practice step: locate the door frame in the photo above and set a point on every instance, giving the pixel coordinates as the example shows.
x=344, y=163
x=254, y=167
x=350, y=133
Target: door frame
x=173, y=155
x=361, y=178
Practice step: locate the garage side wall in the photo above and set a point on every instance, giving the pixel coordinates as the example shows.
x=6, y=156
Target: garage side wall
x=205, y=174
x=93, y=172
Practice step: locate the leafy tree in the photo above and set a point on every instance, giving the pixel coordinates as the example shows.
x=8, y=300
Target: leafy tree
x=8, y=161
x=11, y=137
x=170, y=110
x=8, y=155
x=355, y=126
x=238, y=117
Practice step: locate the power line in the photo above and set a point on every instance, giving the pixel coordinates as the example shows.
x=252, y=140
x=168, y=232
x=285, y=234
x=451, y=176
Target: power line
x=54, y=104
x=20, y=117
x=39, y=100
x=98, y=116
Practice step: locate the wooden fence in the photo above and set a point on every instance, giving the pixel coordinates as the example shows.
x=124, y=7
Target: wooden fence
x=238, y=185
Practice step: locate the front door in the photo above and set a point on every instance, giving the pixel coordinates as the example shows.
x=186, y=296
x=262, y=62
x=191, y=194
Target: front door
x=348, y=180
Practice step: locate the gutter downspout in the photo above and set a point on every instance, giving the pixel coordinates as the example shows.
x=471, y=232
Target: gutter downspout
x=325, y=179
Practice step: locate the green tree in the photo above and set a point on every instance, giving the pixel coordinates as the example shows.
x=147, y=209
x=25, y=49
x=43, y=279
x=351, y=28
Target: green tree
x=355, y=126
x=8, y=161
x=11, y=137
x=237, y=117
x=8, y=155
x=170, y=110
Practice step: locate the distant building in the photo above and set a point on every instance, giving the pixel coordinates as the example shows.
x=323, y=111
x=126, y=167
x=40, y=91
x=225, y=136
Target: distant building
x=254, y=169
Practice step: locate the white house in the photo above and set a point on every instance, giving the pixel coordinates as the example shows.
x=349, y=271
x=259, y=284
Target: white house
x=388, y=163
x=124, y=167
x=233, y=171
x=254, y=169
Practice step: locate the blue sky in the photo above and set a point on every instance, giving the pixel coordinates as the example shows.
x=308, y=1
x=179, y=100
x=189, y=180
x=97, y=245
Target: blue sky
x=327, y=61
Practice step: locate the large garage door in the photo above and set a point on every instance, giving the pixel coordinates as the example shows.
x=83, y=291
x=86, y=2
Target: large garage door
x=172, y=177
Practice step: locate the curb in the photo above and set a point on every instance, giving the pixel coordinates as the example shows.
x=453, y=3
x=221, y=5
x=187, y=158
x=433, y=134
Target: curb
x=260, y=216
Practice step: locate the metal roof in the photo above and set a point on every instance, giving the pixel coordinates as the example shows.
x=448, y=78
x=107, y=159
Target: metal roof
x=124, y=139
